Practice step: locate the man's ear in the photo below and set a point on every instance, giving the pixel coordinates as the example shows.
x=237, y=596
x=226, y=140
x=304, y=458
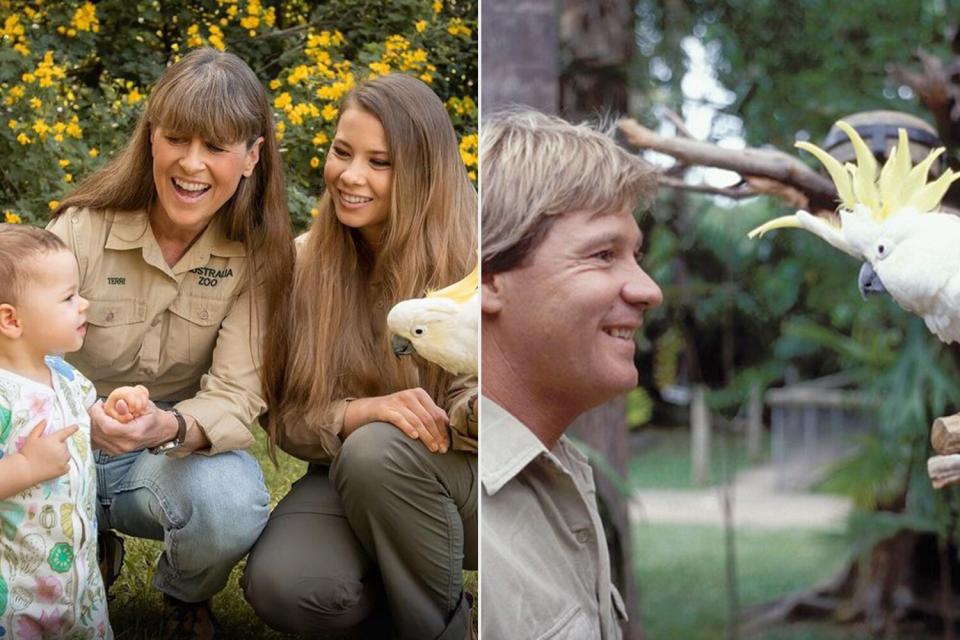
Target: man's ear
x=491, y=293
x=9, y=323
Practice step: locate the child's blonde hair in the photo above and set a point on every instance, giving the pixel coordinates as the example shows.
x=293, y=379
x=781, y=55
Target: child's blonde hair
x=19, y=244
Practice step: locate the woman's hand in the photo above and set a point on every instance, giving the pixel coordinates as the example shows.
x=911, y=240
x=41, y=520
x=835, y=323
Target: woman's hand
x=153, y=427
x=126, y=403
x=412, y=411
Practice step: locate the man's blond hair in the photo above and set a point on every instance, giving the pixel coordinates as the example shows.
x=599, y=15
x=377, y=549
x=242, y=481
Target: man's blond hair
x=20, y=245
x=535, y=167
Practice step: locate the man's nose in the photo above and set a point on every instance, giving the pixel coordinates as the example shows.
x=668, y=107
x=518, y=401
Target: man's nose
x=642, y=290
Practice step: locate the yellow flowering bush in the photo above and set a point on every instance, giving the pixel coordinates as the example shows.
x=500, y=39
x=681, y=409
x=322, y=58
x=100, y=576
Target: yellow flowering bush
x=74, y=75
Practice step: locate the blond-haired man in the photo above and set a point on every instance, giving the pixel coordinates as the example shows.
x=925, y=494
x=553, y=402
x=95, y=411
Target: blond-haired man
x=562, y=297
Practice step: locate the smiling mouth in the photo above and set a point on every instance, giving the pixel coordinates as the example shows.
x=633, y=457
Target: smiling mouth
x=621, y=333
x=188, y=189
x=353, y=200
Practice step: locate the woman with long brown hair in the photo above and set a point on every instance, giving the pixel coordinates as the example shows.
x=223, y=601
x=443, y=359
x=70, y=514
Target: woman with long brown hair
x=377, y=532
x=184, y=246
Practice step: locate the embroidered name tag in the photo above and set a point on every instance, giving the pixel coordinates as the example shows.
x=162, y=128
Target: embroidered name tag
x=116, y=281
x=208, y=277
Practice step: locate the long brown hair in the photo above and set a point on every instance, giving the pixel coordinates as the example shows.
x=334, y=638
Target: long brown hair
x=429, y=241
x=217, y=96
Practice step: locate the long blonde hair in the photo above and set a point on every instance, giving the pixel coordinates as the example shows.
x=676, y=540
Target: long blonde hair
x=429, y=241
x=217, y=96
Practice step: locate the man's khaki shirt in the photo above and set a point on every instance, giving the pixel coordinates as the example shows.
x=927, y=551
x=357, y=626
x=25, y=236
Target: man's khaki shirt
x=185, y=332
x=545, y=565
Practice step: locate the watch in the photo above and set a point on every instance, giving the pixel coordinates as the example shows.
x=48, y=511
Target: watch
x=177, y=442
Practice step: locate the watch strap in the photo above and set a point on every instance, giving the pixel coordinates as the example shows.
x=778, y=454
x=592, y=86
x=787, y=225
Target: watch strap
x=178, y=440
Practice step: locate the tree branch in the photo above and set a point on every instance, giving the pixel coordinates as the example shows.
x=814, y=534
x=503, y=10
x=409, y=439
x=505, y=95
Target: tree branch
x=794, y=177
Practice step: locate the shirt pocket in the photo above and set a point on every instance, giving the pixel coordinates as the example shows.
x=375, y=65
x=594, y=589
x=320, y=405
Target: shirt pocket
x=194, y=326
x=572, y=624
x=114, y=331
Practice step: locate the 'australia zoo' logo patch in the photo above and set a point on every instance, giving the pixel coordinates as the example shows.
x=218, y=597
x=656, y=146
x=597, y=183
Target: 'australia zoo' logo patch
x=209, y=277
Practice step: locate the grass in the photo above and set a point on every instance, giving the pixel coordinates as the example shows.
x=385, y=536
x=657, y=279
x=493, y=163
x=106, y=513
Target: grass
x=682, y=577
x=136, y=608
x=666, y=463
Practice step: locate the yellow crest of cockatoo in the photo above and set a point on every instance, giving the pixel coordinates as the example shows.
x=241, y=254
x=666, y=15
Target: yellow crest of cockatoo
x=442, y=327
x=888, y=218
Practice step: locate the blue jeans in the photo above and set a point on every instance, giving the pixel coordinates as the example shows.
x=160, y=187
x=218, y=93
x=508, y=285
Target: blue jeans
x=207, y=510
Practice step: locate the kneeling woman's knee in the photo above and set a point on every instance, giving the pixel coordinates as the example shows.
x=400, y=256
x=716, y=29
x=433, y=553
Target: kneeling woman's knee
x=294, y=603
x=376, y=454
x=233, y=503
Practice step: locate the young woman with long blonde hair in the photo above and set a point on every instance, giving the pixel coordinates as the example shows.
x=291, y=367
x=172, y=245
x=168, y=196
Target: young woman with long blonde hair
x=376, y=534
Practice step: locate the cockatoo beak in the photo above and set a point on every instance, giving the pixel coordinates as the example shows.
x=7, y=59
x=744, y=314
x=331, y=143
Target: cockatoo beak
x=869, y=282
x=401, y=346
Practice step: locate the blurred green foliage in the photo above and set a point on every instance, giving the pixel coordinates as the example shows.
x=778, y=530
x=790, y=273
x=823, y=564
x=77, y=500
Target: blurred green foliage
x=785, y=307
x=74, y=75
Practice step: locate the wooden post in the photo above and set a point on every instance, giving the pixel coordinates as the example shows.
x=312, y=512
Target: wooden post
x=755, y=425
x=700, y=437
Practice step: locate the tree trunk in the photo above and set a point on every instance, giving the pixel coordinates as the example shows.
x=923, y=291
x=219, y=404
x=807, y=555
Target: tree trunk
x=520, y=45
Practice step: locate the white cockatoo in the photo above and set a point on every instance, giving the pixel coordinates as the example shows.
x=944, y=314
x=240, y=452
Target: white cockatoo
x=441, y=327
x=887, y=218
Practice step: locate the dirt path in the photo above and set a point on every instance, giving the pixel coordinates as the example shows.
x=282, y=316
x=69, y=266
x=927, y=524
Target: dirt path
x=756, y=504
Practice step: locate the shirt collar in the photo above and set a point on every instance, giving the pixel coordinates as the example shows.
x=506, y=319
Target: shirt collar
x=132, y=231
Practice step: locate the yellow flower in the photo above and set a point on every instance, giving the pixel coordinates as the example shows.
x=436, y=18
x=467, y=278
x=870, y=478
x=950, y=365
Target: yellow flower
x=250, y=22
x=58, y=137
x=94, y=152
x=320, y=139
x=270, y=16
x=437, y=6
x=53, y=204
x=64, y=162
x=22, y=49
x=74, y=130
x=283, y=101
x=314, y=162
x=134, y=97
x=68, y=177
x=314, y=212
x=12, y=124
x=379, y=68
x=275, y=84
x=35, y=103
x=426, y=77
x=216, y=41
x=41, y=128
x=281, y=128
x=472, y=175
x=329, y=112
x=85, y=18
x=421, y=26
x=457, y=28
x=11, y=218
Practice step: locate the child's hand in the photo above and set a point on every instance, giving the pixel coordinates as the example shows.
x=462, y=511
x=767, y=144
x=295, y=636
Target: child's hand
x=47, y=456
x=126, y=403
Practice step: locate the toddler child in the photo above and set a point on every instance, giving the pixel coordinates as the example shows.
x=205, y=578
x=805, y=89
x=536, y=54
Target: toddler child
x=50, y=585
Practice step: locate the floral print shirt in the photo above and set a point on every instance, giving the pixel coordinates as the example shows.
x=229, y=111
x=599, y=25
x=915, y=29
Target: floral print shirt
x=50, y=586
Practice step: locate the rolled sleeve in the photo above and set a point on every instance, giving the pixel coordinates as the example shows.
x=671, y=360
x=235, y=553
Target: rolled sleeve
x=316, y=443
x=230, y=398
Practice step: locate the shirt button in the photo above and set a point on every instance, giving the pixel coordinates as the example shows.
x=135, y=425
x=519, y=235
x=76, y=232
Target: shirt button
x=75, y=219
x=109, y=316
x=583, y=536
x=204, y=315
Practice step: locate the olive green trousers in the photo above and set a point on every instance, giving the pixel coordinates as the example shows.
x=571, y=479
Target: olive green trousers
x=372, y=546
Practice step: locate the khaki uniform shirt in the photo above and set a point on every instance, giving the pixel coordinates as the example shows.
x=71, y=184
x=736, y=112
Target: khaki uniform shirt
x=545, y=566
x=185, y=332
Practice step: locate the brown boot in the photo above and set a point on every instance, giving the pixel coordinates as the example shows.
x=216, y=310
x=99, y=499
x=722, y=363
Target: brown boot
x=188, y=620
x=110, y=557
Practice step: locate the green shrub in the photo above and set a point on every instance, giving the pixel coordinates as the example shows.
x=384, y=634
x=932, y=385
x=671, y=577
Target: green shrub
x=73, y=77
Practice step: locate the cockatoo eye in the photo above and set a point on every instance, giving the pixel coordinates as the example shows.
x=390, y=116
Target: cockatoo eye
x=881, y=250
x=419, y=331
